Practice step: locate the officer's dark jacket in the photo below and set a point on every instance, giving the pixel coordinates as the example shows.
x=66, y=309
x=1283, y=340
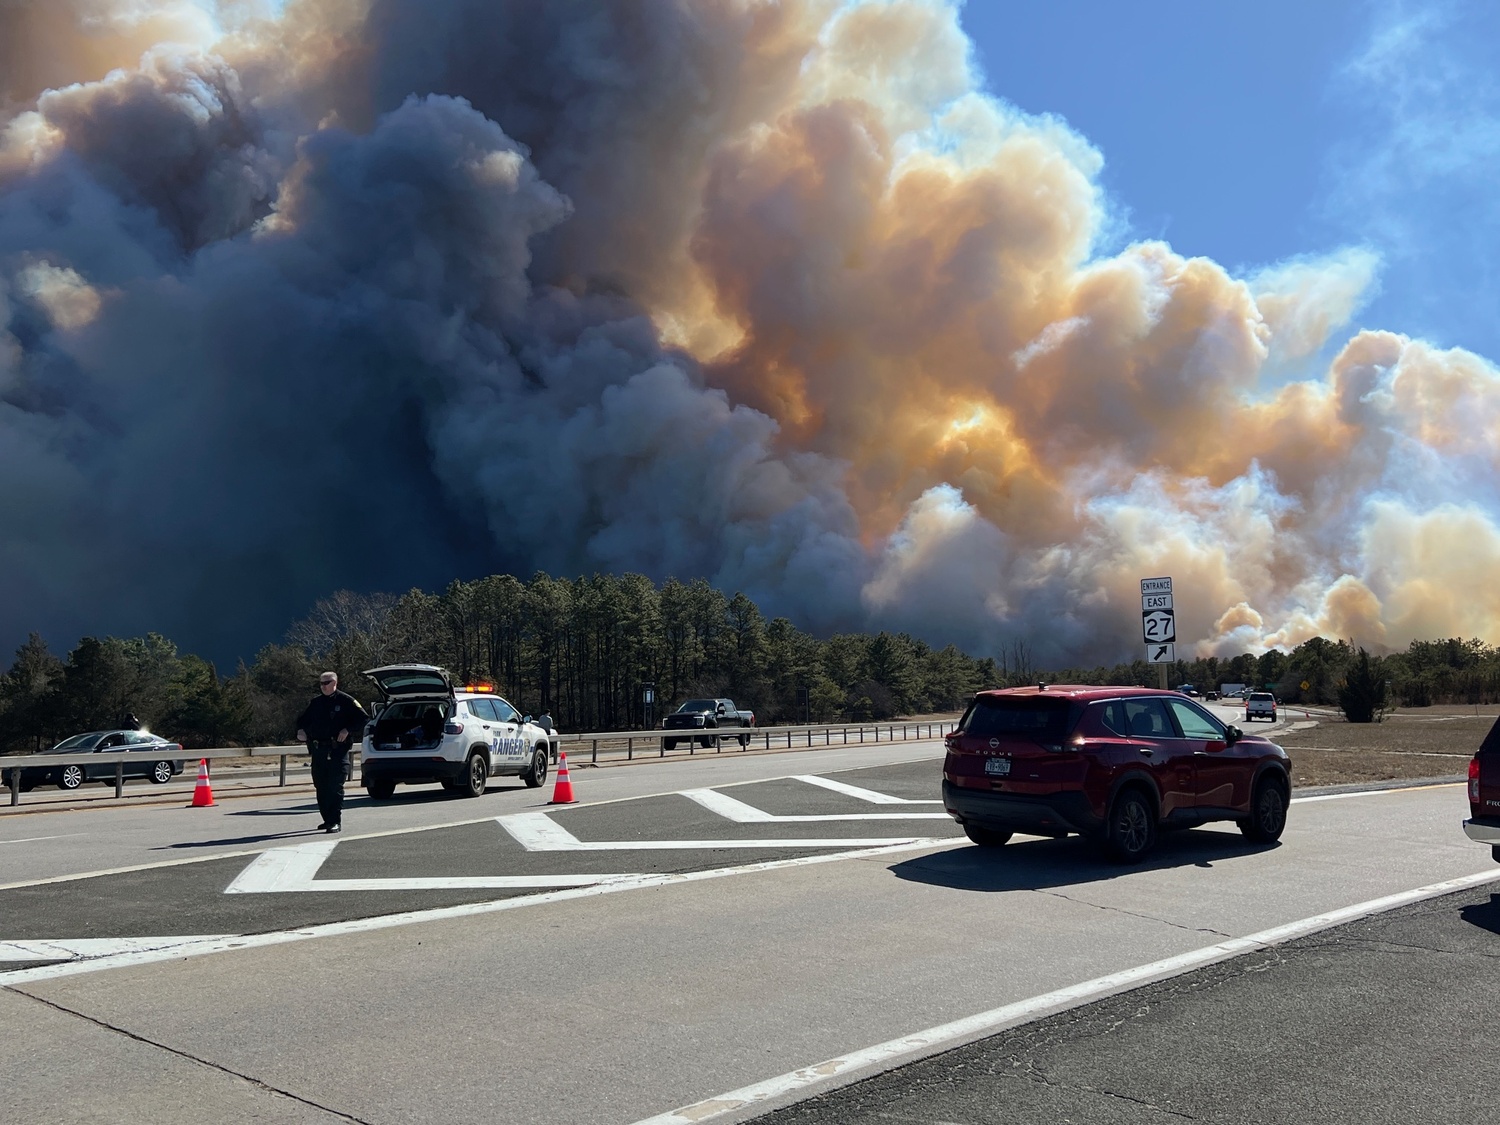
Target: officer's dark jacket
x=326, y=715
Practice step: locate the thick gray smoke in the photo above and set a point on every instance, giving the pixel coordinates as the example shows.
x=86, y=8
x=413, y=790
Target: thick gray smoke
x=379, y=293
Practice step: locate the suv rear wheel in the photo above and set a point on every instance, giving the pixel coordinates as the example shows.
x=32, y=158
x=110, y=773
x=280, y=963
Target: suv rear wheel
x=476, y=773
x=986, y=837
x=1267, y=816
x=380, y=790
x=1130, y=831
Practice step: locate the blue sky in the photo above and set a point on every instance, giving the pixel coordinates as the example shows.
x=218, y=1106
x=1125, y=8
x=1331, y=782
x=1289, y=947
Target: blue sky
x=1254, y=133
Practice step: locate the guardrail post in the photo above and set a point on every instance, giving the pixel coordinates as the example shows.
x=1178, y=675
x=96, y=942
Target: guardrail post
x=119, y=779
x=15, y=785
x=594, y=754
x=281, y=780
x=768, y=740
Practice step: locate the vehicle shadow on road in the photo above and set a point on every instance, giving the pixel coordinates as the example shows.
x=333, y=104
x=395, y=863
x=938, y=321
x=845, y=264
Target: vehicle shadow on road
x=308, y=831
x=1029, y=865
x=1485, y=915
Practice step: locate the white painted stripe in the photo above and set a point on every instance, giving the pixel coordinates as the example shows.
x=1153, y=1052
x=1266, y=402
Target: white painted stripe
x=537, y=832
x=946, y=1036
x=855, y=791
x=60, y=949
x=35, y=839
x=288, y=870
x=727, y=807
x=741, y=813
x=282, y=869
x=201, y=947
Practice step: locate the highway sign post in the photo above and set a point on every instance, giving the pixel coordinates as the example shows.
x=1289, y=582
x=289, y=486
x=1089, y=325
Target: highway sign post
x=1158, y=624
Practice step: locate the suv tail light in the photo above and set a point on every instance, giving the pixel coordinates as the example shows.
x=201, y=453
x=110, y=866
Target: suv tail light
x=453, y=728
x=1474, y=781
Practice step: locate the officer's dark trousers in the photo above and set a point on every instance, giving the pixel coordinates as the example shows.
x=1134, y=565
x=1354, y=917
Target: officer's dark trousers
x=328, y=763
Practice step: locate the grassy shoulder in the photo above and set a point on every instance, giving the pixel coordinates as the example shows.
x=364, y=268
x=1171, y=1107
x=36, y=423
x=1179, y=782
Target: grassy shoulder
x=1421, y=743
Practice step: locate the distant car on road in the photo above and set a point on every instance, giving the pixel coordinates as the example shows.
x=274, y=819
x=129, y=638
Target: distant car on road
x=1483, y=824
x=1189, y=690
x=1210, y=694
x=1260, y=705
x=708, y=720
x=95, y=751
x=1115, y=764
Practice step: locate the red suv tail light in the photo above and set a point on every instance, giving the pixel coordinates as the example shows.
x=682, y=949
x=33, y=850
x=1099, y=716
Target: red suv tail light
x=1474, y=781
x=453, y=728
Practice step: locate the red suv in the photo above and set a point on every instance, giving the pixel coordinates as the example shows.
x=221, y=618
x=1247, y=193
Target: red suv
x=1112, y=763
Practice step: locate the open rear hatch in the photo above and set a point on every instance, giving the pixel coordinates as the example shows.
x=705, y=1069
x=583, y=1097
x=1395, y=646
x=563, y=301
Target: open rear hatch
x=412, y=681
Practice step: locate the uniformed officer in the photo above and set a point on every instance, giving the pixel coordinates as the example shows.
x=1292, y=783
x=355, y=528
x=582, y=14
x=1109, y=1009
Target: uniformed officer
x=328, y=725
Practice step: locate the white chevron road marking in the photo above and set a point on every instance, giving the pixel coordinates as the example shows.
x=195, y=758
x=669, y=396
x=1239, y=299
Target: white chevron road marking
x=855, y=791
x=296, y=869
x=741, y=813
x=538, y=832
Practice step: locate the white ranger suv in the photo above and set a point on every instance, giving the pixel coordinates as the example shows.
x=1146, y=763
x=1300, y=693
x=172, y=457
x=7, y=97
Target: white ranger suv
x=428, y=730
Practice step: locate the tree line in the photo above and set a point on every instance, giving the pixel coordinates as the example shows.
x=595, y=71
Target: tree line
x=584, y=651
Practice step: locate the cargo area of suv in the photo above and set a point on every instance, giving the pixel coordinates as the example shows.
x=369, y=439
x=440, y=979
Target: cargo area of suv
x=410, y=725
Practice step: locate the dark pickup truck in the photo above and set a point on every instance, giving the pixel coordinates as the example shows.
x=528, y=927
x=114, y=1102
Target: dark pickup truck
x=1483, y=824
x=708, y=720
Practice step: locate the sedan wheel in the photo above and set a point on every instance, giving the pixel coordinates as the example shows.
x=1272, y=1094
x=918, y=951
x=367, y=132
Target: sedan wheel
x=537, y=774
x=70, y=778
x=161, y=772
x=1267, y=817
x=1131, y=831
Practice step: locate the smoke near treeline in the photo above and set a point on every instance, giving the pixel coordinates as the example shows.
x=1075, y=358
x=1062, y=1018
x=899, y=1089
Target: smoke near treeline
x=374, y=294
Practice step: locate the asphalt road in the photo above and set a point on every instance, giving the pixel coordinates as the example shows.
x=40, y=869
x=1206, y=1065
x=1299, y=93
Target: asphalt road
x=686, y=932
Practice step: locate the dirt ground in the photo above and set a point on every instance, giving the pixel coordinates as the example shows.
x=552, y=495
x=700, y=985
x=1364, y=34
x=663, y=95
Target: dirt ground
x=1422, y=743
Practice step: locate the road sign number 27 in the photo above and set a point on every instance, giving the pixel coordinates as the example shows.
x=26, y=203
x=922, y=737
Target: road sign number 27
x=1159, y=625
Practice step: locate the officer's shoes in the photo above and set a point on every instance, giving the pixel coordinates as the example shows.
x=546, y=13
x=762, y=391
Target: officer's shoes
x=331, y=828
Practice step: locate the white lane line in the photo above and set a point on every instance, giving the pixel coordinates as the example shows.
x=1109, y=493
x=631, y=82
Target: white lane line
x=296, y=869
x=946, y=1036
x=1373, y=792
x=34, y=839
x=58, y=949
x=739, y=812
x=537, y=832
x=855, y=791
x=202, y=947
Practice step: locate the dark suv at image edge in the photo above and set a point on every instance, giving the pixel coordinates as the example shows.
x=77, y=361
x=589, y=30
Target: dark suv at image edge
x=1114, y=764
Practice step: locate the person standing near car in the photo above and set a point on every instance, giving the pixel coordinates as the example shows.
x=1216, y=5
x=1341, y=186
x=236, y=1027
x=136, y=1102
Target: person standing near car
x=329, y=723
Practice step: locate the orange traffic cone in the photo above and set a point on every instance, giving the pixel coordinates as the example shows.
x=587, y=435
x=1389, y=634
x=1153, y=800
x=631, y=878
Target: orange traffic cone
x=562, y=793
x=203, y=792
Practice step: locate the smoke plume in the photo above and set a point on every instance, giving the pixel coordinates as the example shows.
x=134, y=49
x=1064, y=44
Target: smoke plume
x=378, y=293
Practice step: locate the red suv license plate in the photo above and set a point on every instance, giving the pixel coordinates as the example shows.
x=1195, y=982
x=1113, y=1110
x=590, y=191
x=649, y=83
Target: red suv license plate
x=997, y=767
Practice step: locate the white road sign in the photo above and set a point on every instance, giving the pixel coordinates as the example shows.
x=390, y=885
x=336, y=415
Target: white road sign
x=1161, y=654
x=1158, y=620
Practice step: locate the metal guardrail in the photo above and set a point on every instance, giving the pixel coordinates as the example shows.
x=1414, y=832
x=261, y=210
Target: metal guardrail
x=810, y=736
x=119, y=758
x=609, y=744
